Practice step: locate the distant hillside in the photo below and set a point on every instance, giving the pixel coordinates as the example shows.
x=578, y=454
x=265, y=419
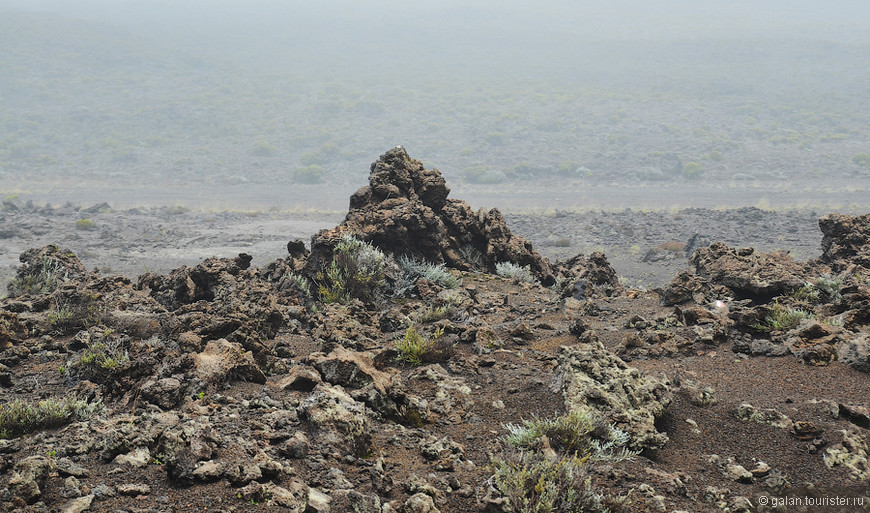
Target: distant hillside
x=96, y=104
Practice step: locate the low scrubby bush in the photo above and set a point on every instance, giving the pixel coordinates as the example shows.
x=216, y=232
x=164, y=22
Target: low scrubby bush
x=300, y=283
x=21, y=417
x=782, y=318
x=823, y=288
x=85, y=224
x=357, y=270
x=413, y=269
x=77, y=311
x=516, y=272
x=98, y=361
x=471, y=255
x=43, y=281
x=545, y=465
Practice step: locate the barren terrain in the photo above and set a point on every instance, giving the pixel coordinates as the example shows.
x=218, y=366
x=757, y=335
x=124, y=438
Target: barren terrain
x=234, y=385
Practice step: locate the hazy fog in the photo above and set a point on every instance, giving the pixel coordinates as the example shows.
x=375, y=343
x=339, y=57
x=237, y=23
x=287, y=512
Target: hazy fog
x=101, y=98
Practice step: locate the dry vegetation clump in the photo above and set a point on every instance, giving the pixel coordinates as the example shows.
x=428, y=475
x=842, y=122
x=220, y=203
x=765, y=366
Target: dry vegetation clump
x=20, y=417
x=545, y=465
x=357, y=271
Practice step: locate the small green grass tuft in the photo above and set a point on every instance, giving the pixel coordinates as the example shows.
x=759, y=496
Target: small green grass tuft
x=416, y=349
x=782, y=318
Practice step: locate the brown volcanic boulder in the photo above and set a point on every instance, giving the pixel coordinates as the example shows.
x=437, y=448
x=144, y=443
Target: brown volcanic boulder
x=588, y=276
x=204, y=282
x=12, y=331
x=747, y=273
x=845, y=241
x=405, y=211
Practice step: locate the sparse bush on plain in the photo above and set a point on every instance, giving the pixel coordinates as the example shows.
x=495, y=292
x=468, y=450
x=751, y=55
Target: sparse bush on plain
x=85, y=225
x=263, y=149
x=516, y=272
x=862, y=159
x=21, y=417
x=357, y=270
x=309, y=174
x=693, y=170
x=484, y=175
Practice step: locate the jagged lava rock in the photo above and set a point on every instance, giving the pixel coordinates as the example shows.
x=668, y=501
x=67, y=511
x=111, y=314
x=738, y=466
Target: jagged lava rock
x=405, y=211
x=12, y=331
x=587, y=276
x=845, y=241
x=856, y=352
x=744, y=272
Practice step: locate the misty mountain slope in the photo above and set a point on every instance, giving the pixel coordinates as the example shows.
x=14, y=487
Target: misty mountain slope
x=302, y=97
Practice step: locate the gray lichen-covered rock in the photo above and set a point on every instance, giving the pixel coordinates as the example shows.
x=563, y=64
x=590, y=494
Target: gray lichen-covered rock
x=28, y=476
x=852, y=454
x=357, y=373
x=746, y=412
x=600, y=383
x=340, y=420
x=856, y=352
x=419, y=503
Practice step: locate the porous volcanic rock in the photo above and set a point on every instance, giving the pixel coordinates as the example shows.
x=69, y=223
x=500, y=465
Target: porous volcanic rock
x=405, y=211
x=222, y=298
x=598, y=382
x=203, y=282
x=745, y=273
x=814, y=343
x=845, y=241
x=585, y=277
x=11, y=330
x=856, y=352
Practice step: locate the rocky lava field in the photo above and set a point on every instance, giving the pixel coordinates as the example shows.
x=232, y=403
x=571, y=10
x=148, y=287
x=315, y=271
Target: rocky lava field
x=422, y=357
